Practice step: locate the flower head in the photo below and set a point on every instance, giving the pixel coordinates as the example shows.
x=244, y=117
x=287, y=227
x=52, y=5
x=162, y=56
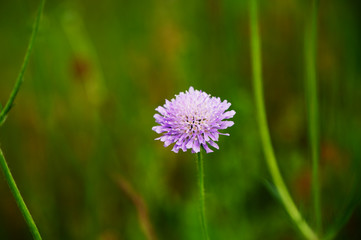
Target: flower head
x=191, y=120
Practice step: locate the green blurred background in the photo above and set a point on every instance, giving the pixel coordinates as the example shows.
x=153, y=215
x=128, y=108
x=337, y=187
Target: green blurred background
x=79, y=139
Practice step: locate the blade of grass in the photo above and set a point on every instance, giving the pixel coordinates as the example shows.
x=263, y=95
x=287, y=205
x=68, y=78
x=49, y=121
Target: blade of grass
x=18, y=198
x=285, y=197
x=312, y=108
x=4, y=112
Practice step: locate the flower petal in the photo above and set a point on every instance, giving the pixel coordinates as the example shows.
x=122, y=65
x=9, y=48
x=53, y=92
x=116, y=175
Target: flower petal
x=175, y=149
x=158, y=118
x=161, y=110
x=213, y=144
x=226, y=124
x=214, y=136
x=158, y=129
x=228, y=114
x=208, y=150
x=196, y=146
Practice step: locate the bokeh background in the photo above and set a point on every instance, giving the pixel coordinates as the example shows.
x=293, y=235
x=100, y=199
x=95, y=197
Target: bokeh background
x=79, y=139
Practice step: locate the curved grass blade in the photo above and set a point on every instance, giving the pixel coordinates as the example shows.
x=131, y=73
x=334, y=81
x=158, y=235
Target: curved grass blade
x=3, y=114
x=268, y=150
x=20, y=79
x=18, y=198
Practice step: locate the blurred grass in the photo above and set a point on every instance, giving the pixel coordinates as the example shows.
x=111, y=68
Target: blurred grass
x=98, y=72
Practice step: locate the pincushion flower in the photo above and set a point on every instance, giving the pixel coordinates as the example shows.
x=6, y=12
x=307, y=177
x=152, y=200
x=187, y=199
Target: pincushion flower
x=192, y=120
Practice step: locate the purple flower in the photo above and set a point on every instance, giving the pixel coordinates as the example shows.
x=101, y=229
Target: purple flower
x=191, y=120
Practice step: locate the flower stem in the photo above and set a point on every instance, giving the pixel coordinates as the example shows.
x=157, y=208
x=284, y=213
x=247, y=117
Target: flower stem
x=200, y=168
x=312, y=107
x=20, y=78
x=284, y=195
x=18, y=198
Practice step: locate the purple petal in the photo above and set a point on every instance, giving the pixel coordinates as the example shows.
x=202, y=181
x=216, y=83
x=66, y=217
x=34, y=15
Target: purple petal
x=213, y=144
x=224, y=134
x=226, y=124
x=168, y=142
x=161, y=110
x=157, y=129
x=158, y=118
x=208, y=150
x=190, y=143
x=214, y=136
x=206, y=137
x=228, y=114
x=175, y=149
x=196, y=146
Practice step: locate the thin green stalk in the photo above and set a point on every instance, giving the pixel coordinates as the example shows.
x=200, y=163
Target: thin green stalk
x=312, y=108
x=285, y=197
x=4, y=112
x=18, y=198
x=200, y=168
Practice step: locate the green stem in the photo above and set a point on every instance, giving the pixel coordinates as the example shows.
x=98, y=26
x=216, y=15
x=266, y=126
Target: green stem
x=20, y=77
x=285, y=197
x=312, y=108
x=18, y=198
x=3, y=114
x=200, y=168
